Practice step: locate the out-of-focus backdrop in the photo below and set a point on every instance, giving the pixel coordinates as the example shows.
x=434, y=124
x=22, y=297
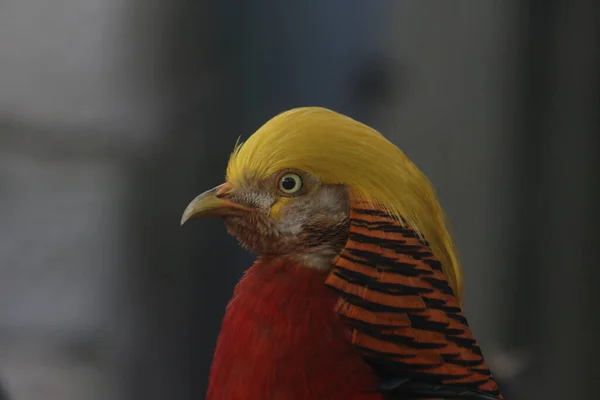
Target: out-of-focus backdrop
x=115, y=113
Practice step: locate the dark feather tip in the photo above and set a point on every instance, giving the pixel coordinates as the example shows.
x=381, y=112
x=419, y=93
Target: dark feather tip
x=423, y=390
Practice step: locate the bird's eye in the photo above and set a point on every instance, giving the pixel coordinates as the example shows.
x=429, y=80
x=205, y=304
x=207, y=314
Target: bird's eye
x=290, y=183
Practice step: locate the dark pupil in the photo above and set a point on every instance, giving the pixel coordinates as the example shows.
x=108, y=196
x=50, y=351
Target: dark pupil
x=288, y=183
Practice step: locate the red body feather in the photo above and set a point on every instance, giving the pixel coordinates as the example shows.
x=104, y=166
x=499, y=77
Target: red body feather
x=282, y=340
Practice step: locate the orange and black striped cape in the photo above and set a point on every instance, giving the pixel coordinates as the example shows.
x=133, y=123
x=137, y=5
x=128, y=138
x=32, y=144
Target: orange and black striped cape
x=405, y=319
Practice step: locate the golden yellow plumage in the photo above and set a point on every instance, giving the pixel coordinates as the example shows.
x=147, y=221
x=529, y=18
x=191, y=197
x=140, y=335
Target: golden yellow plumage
x=337, y=149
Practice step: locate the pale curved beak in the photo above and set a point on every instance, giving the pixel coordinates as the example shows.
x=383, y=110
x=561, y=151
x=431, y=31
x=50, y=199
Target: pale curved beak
x=212, y=203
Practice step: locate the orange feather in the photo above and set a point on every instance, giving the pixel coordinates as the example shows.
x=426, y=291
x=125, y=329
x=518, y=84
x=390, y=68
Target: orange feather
x=404, y=315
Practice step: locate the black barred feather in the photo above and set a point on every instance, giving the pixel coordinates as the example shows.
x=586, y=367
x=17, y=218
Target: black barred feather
x=405, y=318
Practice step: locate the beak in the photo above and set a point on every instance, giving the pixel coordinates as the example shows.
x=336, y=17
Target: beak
x=212, y=203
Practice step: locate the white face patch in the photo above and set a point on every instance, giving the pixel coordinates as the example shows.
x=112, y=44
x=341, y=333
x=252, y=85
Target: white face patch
x=325, y=201
x=310, y=227
x=315, y=220
x=290, y=226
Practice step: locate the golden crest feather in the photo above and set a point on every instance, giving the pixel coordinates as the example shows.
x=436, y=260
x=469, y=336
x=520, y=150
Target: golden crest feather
x=337, y=149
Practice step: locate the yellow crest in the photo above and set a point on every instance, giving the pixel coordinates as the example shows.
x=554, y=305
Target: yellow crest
x=339, y=150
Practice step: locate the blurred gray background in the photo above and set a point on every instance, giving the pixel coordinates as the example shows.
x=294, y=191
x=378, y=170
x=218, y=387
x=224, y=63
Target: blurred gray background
x=115, y=113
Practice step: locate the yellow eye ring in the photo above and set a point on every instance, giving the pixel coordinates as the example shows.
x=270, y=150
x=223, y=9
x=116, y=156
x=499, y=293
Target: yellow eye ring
x=290, y=183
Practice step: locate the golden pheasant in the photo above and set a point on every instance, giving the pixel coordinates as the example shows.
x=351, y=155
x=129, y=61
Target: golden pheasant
x=356, y=290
